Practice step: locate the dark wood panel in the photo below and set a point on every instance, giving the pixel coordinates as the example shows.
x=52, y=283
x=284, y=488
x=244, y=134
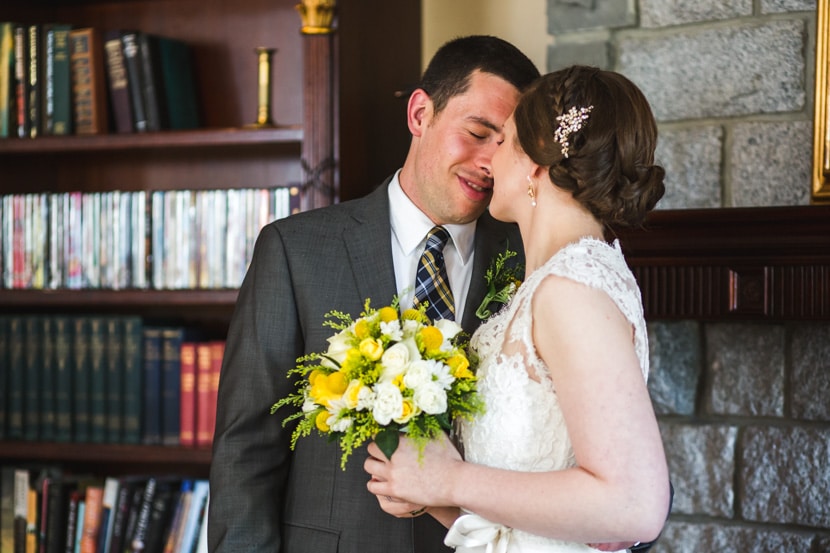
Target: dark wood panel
x=770, y=263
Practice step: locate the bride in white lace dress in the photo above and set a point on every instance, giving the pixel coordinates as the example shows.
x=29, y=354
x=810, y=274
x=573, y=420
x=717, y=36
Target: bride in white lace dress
x=568, y=452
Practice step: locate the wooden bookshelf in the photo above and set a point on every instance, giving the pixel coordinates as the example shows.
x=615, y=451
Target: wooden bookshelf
x=339, y=131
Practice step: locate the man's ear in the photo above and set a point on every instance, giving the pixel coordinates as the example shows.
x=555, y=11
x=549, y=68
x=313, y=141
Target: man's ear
x=418, y=111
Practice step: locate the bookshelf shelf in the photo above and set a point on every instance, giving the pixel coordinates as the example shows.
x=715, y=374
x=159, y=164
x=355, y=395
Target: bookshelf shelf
x=144, y=299
x=195, y=139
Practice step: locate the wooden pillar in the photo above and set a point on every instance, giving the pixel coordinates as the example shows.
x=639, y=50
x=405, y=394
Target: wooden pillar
x=319, y=154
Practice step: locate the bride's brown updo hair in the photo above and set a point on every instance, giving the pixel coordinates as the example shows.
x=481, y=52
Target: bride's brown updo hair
x=610, y=163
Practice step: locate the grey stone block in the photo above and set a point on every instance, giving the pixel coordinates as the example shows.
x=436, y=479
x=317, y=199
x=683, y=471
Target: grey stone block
x=664, y=13
x=771, y=163
x=785, y=475
x=594, y=53
x=719, y=72
x=810, y=397
x=692, y=159
x=691, y=537
x=746, y=369
x=702, y=467
x=676, y=365
x=568, y=16
x=783, y=6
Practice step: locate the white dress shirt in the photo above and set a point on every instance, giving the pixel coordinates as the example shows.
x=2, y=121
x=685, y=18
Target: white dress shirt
x=409, y=235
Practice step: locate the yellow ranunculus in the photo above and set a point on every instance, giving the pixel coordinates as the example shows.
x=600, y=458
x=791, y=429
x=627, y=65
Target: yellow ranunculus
x=431, y=338
x=388, y=314
x=321, y=421
x=328, y=387
x=398, y=381
x=460, y=366
x=371, y=349
x=314, y=374
x=361, y=329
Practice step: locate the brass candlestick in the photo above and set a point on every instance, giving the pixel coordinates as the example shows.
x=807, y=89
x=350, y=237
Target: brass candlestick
x=263, y=118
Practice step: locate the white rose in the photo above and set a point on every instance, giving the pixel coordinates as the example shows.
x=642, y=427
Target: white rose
x=431, y=398
x=448, y=328
x=339, y=344
x=394, y=361
x=388, y=403
x=339, y=424
x=418, y=374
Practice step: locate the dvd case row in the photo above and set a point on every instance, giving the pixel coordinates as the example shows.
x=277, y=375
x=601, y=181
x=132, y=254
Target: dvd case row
x=160, y=239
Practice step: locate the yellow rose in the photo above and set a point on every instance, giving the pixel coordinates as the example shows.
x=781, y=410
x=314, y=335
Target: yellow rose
x=388, y=314
x=371, y=349
x=320, y=421
x=407, y=412
x=460, y=366
x=431, y=338
x=352, y=393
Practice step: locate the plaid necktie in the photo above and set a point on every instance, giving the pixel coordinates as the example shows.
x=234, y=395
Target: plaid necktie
x=431, y=282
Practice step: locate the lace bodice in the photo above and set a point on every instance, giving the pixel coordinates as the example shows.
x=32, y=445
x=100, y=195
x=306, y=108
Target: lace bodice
x=523, y=426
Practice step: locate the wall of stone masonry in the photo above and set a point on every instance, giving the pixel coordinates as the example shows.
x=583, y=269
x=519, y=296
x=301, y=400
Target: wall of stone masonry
x=744, y=408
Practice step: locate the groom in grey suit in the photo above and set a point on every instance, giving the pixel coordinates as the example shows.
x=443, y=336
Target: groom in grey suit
x=265, y=496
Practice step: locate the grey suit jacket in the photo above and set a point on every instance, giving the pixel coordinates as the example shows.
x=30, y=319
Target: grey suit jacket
x=264, y=497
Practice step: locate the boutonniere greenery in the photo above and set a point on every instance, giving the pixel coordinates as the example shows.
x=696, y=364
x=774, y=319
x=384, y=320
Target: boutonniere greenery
x=502, y=282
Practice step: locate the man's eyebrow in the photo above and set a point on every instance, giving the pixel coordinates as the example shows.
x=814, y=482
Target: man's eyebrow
x=484, y=122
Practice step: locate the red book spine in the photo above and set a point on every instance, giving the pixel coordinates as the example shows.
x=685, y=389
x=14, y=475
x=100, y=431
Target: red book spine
x=204, y=371
x=92, y=519
x=187, y=398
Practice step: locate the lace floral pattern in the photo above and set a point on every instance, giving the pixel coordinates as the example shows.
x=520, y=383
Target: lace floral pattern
x=523, y=427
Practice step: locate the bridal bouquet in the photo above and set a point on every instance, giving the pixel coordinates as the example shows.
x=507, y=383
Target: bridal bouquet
x=385, y=373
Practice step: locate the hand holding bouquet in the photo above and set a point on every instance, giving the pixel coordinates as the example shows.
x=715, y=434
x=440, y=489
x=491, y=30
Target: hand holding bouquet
x=385, y=373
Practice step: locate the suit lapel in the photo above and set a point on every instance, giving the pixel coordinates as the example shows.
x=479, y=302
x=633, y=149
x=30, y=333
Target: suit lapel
x=369, y=250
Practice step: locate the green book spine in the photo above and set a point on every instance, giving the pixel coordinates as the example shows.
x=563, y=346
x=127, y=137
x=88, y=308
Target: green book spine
x=115, y=379
x=17, y=380
x=64, y=388
x=98, y=379
x=61, y=82
x=179, y=84
x=81, y=383
x=133, y=381
x=151, y=408
x=32, y=366
x=48, y=398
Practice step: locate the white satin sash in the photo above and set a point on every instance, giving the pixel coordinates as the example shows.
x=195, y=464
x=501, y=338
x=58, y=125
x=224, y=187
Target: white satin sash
x=473, y=534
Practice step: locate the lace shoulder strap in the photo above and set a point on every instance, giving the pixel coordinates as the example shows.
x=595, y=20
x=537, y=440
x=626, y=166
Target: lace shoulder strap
x=593, y=263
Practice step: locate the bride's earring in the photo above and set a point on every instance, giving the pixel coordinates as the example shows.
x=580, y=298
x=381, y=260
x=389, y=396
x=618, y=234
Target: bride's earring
x=530, y=191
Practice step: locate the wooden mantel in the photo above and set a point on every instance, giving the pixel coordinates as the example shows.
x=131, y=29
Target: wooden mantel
x=761, y=264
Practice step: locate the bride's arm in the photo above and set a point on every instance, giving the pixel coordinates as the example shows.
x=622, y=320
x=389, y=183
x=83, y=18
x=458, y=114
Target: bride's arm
x=619, y=490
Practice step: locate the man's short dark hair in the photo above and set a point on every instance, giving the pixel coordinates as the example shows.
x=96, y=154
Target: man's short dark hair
x=448, y=73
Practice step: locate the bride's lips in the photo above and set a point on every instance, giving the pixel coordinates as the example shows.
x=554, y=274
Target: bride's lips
x=476, y=190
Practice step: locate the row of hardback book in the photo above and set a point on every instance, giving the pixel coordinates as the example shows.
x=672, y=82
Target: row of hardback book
x=175, y=239
x=47, y=510
x=106, y=379
x=57, y=79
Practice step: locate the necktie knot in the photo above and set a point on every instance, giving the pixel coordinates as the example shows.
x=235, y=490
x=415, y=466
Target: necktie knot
x=437, y=238
x=432, y=285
